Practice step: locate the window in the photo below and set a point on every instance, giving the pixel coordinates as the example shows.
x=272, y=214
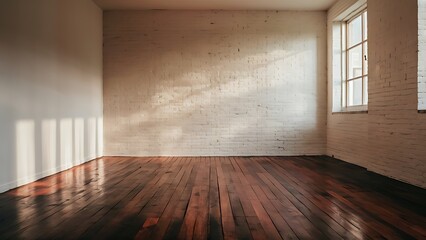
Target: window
x=421, y=56
x=354, y=61
x=348, y=57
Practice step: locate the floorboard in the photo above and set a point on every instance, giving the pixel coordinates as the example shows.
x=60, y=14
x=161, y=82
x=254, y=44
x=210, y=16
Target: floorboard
x=314, y=197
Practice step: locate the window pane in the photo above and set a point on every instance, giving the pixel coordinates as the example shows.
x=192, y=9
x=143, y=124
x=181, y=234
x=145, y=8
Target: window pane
x=365, y=25
x=355, y=62
x=365, y=58
x=355, y=92
x=355, y=31
x=365, y=90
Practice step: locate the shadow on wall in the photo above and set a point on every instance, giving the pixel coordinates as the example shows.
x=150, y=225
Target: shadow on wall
x=177, y=89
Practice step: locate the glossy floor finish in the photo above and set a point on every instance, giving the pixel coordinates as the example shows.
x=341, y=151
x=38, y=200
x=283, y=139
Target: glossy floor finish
x=214, y=198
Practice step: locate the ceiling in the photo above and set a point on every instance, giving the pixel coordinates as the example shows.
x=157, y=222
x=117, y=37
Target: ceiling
x=300, y=5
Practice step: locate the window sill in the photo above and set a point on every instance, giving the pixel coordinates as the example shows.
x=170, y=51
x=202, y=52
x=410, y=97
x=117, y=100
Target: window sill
x=422, y=111
x=351, y=112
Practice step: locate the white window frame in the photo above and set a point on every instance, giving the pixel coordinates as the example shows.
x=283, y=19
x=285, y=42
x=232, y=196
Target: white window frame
x=337, y=18
x=421, y=71
x=345, y=61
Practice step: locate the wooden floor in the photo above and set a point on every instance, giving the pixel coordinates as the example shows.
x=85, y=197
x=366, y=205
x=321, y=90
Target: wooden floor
x=214, y=198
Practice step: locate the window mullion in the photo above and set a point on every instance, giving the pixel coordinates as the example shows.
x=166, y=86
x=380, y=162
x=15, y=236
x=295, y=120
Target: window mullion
x=355, y=45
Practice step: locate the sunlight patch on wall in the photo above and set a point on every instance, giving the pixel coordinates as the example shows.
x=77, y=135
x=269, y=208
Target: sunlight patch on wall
x=91, y=138
x=66, y=142
x=78, y=141
x=48, y=141
x=25, y=151
x=100, y=149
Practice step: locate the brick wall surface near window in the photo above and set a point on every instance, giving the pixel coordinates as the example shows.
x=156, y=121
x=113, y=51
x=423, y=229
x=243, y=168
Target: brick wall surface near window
x=214, y=83
x=391, y=138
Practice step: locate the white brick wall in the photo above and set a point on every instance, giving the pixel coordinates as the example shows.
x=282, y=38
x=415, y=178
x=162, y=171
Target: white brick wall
x=214, y=83
x=391, y=138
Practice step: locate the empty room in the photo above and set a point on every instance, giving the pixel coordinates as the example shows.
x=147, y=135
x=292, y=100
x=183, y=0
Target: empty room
x=212, y=119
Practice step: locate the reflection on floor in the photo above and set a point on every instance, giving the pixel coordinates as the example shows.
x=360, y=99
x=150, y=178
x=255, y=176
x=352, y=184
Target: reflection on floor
x=215, y=198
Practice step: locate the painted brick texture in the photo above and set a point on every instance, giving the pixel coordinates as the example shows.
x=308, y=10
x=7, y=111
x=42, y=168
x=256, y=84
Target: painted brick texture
x=391, y=138
x=214, y=83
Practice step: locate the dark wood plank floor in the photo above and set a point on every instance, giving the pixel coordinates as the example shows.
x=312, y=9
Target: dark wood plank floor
x=214, y=198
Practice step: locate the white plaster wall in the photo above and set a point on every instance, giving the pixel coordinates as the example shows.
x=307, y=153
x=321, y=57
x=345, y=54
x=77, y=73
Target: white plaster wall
x=214, y=83
x=50, y=87
x=391, y=138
